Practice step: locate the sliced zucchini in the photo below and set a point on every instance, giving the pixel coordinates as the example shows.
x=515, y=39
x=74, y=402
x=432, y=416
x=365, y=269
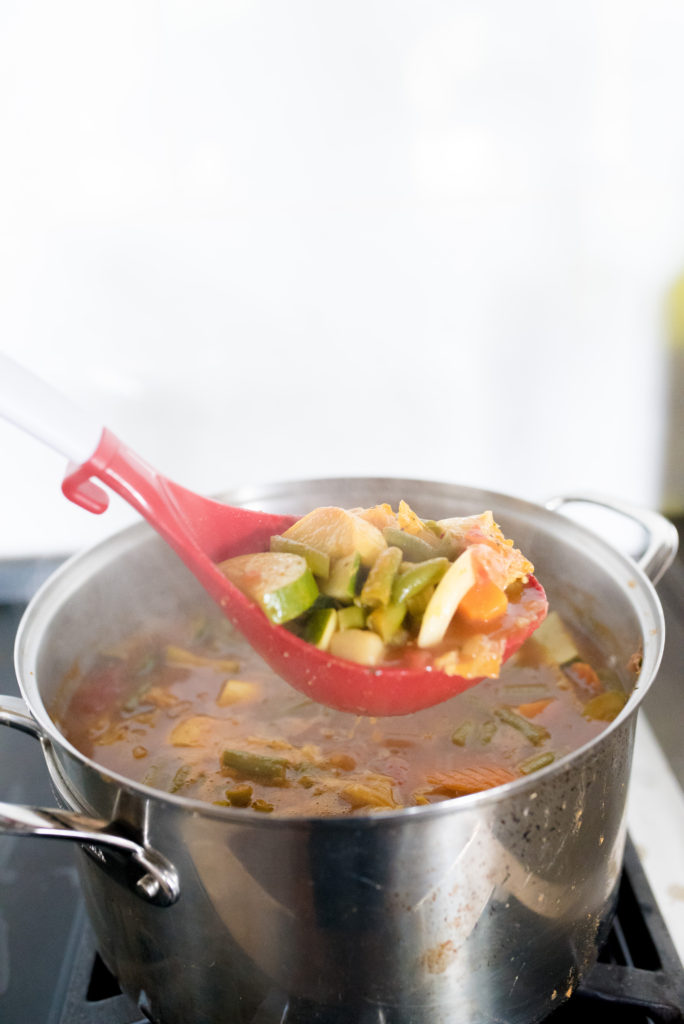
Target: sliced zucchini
x=386, y=621
x=320, y=626
x=282, y=584
x=351, y=617
x=343, y=578
x=318, y=561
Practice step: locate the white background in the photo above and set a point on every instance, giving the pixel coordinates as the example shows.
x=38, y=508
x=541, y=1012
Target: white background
x=268, y=240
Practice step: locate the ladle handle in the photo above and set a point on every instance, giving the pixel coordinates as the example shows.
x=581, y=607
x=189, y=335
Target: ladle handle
x=39, y=409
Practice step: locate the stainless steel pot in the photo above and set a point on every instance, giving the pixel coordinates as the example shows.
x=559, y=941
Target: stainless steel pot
x=487, y=908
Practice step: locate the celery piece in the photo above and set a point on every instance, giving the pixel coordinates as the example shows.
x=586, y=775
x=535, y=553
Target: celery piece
x=377, y=590
x=386, y=621
x=255, y=766
x=525, y=693
x=409, y=584
x=536, y=734
x=344, y=573
x=318, y=561
x=351, y=617
x=537, y=761
x=320, y=626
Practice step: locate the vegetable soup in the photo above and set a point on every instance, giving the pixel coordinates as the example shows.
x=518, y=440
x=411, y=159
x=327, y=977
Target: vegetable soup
x=187, y=707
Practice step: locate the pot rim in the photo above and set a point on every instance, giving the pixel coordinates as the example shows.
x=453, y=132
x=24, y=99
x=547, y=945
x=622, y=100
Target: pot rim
x=62, y=583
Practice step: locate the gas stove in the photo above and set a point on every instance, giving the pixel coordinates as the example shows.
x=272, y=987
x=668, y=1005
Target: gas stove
x=51, y=973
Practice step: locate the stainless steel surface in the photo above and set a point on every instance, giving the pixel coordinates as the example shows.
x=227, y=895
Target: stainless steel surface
x=489, y=907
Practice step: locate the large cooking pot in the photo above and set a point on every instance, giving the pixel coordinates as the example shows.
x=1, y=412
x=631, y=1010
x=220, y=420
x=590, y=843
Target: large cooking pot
x=487, y=908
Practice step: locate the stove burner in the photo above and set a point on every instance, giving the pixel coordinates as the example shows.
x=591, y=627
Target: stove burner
x=638, y=980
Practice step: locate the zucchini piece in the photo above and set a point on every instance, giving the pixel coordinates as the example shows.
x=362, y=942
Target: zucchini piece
x=320, y=626
x=556, y=640
x=344, y=574
x=377, y=590
x=282, y=584
x=318, y=561
x=360, y=645
x=386, y=621
x=417, y=578
x=351, y=617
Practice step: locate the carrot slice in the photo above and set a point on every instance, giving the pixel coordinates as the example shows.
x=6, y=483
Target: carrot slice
x=584, y=675
x=461, y=781
x=534, y=707
x=483, y=602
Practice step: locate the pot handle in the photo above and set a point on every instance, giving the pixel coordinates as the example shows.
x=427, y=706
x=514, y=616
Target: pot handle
x=661, y=539
x=150, y=875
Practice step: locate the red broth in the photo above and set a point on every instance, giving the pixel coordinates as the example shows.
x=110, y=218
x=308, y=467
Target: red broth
x=188, y=708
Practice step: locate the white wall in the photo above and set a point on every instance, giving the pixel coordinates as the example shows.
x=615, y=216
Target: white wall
x=270, y=240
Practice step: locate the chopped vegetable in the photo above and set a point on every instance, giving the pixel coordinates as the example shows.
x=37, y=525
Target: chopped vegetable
x=462, y=733
x=255, y=766
x=234, y=691
x=377, y=590
x=387, y=621
x=337, y=532
x=555, y=638
x=174, y=655
x=461, y=781
x=535, y=707
x=318, y=561
x=531, y=731
x=483, y=602
x=358, y=645
x=320, y=626
x=583, y=674
x=605, y=706
x=537, y=761
x=449, y=592
x=342, y=581
x=281, y=583
x=417, y=578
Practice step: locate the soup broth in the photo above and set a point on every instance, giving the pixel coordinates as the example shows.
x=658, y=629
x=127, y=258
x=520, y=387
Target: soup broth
x=187, y=707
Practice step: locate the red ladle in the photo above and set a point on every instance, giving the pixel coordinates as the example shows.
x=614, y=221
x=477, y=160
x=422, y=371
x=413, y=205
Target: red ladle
x=203, y=532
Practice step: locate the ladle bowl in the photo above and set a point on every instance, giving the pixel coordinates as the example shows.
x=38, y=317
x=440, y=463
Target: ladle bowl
x=203, y=532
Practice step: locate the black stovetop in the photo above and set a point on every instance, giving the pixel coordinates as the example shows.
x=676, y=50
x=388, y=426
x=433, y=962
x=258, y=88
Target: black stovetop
x=50, y=972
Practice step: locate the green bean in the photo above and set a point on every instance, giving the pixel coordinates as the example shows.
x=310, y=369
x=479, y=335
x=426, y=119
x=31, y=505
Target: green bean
x=462, y=733
x=487, y=730
x=410, y=583
x=255, y=766
x=536, y=734
x=537, y=761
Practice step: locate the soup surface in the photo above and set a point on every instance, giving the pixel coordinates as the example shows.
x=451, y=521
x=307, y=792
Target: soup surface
x=187, y=707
